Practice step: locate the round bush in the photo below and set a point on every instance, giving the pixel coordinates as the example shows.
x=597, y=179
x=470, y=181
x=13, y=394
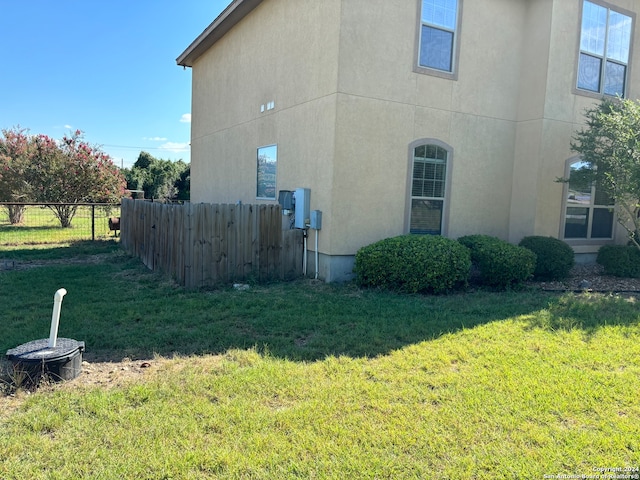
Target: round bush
x=620, y=260
x=413, y=263
x=500, y=263
x=554, y=257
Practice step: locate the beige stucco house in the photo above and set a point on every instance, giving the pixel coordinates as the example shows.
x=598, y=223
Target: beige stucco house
x=447, y=117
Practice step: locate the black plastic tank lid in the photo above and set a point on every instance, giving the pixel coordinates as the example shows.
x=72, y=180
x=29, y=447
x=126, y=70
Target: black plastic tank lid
x=38, y=350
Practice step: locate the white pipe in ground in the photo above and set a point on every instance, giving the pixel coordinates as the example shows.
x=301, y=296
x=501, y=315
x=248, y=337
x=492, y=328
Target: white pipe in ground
x=55, y=317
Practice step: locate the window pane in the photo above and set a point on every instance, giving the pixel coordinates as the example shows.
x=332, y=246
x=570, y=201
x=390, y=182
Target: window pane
x=601, y=198
x=431, y=151
x=602, y=223
x=433, y=189
x=438, y=189
x=426, y=216
x=619, y=37
x=580, y=181
x=589, y=71
x=417, y=188
x=436, y=49
x=429, y=170
x=267, y=161
x=614, y=78
x=442, y=13
x=576, y=222
x=594, y=27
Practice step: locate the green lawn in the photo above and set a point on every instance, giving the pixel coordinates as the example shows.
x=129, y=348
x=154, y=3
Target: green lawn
x=308, y=380
x=40, y=226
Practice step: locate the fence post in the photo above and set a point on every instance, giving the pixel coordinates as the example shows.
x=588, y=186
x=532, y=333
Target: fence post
x=93, y=223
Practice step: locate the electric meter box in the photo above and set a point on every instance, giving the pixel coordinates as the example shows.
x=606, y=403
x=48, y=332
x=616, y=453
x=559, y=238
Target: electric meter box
x=285, y=199
x=302, y=207
x=316, y=220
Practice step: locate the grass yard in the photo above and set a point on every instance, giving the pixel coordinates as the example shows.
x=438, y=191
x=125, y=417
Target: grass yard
x=40, y=226
x=308, y=380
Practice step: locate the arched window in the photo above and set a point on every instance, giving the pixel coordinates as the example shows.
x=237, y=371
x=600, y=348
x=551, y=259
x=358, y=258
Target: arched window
x=430, y=164
x=589, y=211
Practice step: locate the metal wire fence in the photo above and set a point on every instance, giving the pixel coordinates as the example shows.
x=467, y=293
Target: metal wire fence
x=39, y=224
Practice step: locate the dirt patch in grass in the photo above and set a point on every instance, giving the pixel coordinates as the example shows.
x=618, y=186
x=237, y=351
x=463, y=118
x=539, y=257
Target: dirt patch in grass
x=11, y=264
x=93, y=374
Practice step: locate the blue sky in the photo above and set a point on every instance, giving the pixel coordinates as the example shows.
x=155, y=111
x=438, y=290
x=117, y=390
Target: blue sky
x=106, y=67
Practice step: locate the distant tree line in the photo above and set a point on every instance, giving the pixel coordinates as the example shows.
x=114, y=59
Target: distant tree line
x=160, y=179
x=63, y=173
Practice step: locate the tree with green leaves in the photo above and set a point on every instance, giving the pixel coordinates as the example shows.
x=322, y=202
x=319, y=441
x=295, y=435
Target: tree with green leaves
x=160, y=179
x=610, y=145
x=183, y=184
x=62, y=174
x=16, y=149
x=73, y=172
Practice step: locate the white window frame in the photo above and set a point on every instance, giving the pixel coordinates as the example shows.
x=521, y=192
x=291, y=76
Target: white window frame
x=603, y=58
x=444, y=224
x=418, y=68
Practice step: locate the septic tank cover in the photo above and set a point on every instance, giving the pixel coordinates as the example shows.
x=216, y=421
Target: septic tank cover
x=39, y=350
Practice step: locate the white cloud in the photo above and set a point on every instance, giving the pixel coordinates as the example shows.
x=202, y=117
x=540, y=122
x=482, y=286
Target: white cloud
x=175, y=147
x=155, y=139
x=186, y=118
x=68, y=127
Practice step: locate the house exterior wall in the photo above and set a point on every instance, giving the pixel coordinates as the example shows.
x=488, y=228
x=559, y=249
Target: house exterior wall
x=283, y=51
x=384, y=106
x=349, y=102
x=550, y=113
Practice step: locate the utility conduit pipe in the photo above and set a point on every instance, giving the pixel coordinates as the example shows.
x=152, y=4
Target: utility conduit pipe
x=316, y=254
x=55, y=317
x=304, y=256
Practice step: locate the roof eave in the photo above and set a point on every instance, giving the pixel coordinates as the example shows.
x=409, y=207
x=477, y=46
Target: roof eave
x=230, y=16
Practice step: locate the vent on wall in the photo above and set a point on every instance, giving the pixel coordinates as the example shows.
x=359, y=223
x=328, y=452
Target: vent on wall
x=267, y=106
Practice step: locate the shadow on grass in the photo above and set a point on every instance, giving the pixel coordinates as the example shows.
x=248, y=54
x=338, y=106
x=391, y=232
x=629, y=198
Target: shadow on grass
x=589, y=312
x=120, y=309
x=66, y=249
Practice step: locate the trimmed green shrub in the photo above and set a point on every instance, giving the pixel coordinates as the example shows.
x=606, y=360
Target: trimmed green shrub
x=413, y=263
x=500, y=263
x=620, y=260
x=554, y=257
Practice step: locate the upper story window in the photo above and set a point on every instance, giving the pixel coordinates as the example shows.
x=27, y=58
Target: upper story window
x=589, y=211
x=605, y=40
x=438, y=26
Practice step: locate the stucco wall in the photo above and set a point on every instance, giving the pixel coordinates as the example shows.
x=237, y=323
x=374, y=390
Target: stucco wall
x=384, y=106
x=550, y=112
x=284, y=51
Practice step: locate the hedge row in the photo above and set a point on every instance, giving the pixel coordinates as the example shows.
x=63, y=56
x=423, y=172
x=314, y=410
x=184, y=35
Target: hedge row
x=434, y=264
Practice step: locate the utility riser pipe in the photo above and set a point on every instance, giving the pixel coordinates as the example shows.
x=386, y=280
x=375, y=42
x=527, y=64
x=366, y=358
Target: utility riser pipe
x=55, y=317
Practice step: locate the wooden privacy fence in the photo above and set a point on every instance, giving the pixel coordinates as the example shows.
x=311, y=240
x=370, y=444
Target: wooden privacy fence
x=207, y=244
